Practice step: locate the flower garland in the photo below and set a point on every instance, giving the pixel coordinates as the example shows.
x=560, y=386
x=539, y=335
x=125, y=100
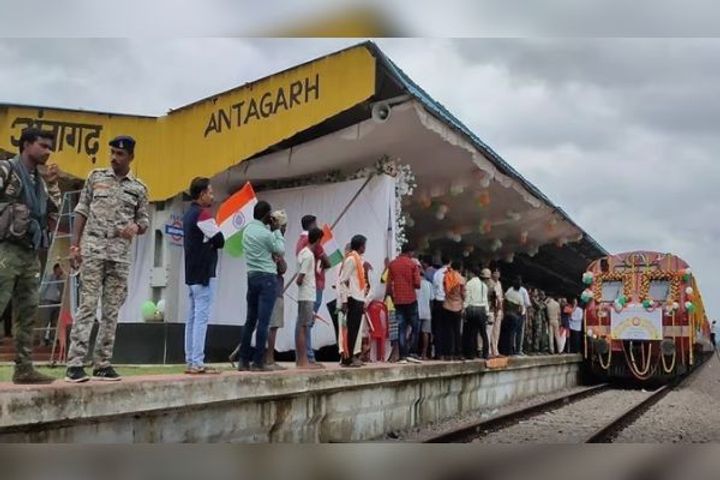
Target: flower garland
x=626, y=278
x=404, y=187
x=646, y=278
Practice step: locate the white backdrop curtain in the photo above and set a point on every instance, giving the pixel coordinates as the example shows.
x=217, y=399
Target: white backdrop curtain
x=371, y=215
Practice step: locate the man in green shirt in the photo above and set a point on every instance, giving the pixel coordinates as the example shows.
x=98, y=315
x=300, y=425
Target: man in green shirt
x=262, y=239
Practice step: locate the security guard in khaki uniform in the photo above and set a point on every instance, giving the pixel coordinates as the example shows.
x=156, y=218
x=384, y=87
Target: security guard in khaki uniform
x=112, y=209
x=27, y=202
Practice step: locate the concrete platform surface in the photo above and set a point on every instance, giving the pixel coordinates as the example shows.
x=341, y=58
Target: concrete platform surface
x=333, y=404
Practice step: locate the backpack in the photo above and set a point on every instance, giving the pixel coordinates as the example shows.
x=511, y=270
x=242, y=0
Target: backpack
x=14, y=216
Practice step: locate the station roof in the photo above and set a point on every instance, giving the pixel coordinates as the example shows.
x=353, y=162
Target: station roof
x=250, y=133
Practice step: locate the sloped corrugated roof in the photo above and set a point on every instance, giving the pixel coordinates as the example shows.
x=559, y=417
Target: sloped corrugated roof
x=442, y=113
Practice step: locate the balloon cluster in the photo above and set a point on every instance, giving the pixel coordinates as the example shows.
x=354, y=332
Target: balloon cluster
x=586, y=296
x=483, y=198
x=485, y=227
x=686, y=274
x=620, y=302
x=150, y=311
x=523, y=237
x=441, y=211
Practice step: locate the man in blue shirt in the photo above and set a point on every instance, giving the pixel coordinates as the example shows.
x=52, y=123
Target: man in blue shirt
x=202, y=240
x=262, y=239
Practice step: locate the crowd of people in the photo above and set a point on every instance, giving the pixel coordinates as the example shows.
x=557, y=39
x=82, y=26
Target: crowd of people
x=446, y=311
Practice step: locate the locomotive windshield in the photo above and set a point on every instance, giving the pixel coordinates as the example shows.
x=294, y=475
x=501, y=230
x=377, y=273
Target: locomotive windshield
x=659, y=289
x=611, y=290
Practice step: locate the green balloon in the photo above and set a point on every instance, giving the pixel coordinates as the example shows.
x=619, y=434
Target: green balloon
x=647, y=303
x=148, y=309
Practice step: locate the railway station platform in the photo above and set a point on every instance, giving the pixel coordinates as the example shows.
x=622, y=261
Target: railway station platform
x=331, y=405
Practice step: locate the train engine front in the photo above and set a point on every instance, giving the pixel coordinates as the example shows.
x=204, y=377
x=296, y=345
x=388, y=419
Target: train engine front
x=644, y=317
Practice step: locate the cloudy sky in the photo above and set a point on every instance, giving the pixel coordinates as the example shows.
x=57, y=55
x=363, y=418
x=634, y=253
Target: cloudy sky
x=622, y=133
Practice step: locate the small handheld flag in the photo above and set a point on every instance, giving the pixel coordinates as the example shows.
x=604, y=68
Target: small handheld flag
x=331, y=247
x=233, y=216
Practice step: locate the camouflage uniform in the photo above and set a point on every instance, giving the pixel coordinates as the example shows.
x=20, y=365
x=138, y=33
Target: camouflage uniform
x=20, y=264
x=541, y=328
x=109, y=204
x=529, y=330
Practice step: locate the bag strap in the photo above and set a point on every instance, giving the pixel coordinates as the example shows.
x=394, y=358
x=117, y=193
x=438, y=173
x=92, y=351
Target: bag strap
x=10, y=164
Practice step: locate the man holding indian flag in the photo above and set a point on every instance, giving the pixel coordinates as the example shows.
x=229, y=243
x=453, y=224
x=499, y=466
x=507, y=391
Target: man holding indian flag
x=258, y=238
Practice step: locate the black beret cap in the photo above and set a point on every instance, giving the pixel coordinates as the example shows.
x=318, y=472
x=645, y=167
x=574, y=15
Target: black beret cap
x=124, y=142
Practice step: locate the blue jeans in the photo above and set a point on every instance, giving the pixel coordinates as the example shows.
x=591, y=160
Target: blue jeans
x=316, y=307
x=201, y=297
x=261, y=294
x=407, y=316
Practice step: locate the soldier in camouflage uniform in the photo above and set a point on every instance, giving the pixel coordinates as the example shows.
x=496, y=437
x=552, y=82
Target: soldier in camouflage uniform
x=541, y=327
x=112, y=209
x=27, y=202
x=528, y=331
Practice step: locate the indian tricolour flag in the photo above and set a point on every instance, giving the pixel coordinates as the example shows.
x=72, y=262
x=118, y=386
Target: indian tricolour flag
x=331, y=247
x=233, y=216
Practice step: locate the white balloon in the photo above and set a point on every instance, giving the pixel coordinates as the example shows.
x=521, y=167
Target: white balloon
x=161, y=306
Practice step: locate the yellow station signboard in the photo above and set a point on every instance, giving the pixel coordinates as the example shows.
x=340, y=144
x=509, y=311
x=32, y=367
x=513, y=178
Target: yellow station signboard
x=208, y=136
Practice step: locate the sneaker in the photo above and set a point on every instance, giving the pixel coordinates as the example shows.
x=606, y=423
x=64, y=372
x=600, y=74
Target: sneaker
x=356, y=362
x=243, y=367
x=233, y=357
x=106, y=374
x=403, y=361
x=76, y=375
x=27, y=375
x=208, y=370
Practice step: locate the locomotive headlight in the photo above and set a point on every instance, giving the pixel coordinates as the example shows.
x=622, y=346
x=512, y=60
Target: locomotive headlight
x=667, y=347
x=602, y=346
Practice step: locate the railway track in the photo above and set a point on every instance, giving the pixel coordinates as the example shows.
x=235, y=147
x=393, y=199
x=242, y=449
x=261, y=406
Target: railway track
x=630, y=406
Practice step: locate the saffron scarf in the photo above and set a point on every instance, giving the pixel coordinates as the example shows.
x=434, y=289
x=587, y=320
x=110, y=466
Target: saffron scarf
x=451, y=281
x=359, y=269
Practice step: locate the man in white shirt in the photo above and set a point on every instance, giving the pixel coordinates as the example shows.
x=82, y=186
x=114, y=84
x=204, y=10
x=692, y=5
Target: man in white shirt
x=476, y=308
x=353, y=290
x=576, y=325
x=515, y=308
x=439, y=299
x=307, y=295
x=497, y=314
x=553, y=313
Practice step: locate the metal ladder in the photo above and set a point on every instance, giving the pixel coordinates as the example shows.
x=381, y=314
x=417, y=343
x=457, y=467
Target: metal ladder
x=59, y=252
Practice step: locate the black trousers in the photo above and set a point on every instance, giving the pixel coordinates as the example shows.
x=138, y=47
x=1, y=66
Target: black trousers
x=508, y=329
x=475, y=322
x=450, y=341
x=575, y=341
x=354, y=318
x=435, y=326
